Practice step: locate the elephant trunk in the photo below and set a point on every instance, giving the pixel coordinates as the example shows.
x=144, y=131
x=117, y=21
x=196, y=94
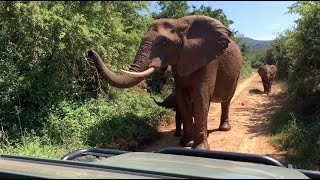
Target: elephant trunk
x=140, y=64
x=169, y=102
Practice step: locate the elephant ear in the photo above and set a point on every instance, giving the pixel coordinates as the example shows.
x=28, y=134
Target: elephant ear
x=203, y=41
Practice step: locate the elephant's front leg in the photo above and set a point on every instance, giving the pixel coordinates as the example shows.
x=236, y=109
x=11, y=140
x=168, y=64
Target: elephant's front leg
x=270, y=85
x=185, y=112
x=201, y=109
x=224, y=119
x=264, y=82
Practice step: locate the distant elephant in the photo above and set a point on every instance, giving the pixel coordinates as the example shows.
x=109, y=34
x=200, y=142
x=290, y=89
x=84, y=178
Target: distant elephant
x=267, y=74
x=171, y=103
x=205, y=64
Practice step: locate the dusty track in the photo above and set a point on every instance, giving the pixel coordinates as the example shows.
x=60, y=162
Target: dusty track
x=250, y=112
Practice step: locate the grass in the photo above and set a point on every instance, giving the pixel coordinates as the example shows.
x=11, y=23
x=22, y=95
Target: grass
x=127, y=122
x=37, y=147
x=300, y=139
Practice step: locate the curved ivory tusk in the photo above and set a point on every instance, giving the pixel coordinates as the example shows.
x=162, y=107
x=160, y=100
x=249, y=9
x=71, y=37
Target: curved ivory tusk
x=139, y=74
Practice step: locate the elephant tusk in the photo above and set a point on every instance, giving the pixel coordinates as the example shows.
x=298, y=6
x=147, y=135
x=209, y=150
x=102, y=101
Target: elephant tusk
x=139, y=74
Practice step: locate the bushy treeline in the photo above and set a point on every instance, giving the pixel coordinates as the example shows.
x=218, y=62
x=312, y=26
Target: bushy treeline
x=296, y=53
x=49, y=89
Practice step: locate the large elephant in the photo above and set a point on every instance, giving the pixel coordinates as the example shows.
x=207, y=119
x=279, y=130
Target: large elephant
x=205, y=64
x=267, y=74
x=171, y=103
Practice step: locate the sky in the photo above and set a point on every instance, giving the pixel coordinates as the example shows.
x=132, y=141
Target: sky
x=260, y=20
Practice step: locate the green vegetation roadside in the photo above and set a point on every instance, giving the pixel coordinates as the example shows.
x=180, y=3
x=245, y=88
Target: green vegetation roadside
x=297, y=135
x=296, y=125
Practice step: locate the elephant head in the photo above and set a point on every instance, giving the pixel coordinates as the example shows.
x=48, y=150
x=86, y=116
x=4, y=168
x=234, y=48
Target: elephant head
x=267, y=74
x=173, y=42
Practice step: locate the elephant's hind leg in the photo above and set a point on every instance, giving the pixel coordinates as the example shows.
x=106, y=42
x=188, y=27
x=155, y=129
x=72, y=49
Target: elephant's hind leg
x=224, y=119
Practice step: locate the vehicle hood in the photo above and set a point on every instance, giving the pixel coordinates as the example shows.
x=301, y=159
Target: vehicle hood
x=199, y=167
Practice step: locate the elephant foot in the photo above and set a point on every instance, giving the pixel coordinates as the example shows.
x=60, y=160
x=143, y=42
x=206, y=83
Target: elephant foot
x=201, y=144
x=177, y=133
x=186, y=142
x=225, y=126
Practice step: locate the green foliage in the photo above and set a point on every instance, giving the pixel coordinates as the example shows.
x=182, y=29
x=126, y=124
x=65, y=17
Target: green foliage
x=178, y=9
x=161, y=82
x=172, y=9
x=45, y=82
x=296, y=54
x=126, y=122
x=247, y=57
x=299, y=138
x=214, y=13
x=32, y=145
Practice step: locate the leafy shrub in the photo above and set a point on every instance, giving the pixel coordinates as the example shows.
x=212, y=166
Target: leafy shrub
x=129, y=120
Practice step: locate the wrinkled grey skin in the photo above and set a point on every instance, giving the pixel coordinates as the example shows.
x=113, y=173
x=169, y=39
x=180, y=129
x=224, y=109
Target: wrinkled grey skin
x=205, y=64
x=171, y=103
x=267, y=74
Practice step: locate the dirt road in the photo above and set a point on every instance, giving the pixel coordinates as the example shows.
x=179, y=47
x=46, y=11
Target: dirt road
x=250, y=112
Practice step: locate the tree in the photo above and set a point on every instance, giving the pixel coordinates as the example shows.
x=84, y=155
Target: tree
x=172, y=9
x=41, y=52
x=214, y=13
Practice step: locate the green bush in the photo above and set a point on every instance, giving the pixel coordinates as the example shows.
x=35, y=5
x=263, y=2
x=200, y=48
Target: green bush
x=299, y=139
x=36, y=146
x=129, y=120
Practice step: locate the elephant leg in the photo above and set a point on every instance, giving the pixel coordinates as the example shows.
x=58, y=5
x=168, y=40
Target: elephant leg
x=201, y=109
x=178, y=123
x=224, y=119
x=264, y=86
x=268, y=86
x=185, y=112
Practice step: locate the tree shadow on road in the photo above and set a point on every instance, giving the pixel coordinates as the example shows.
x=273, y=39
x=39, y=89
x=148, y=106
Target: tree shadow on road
x=255, y=91
x=163, y=140
x=261, y=116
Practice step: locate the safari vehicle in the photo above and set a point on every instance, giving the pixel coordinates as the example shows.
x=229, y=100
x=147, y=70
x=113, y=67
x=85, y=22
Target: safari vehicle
x=167, y=163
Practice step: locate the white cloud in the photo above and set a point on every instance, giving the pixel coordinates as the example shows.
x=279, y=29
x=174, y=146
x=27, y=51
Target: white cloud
x=265, y=38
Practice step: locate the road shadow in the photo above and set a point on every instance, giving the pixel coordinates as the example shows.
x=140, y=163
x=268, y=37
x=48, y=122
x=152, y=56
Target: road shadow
x=165, y=140
x=255, y=91
x=261, y=116
x=161, y=141
x=212, y=131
